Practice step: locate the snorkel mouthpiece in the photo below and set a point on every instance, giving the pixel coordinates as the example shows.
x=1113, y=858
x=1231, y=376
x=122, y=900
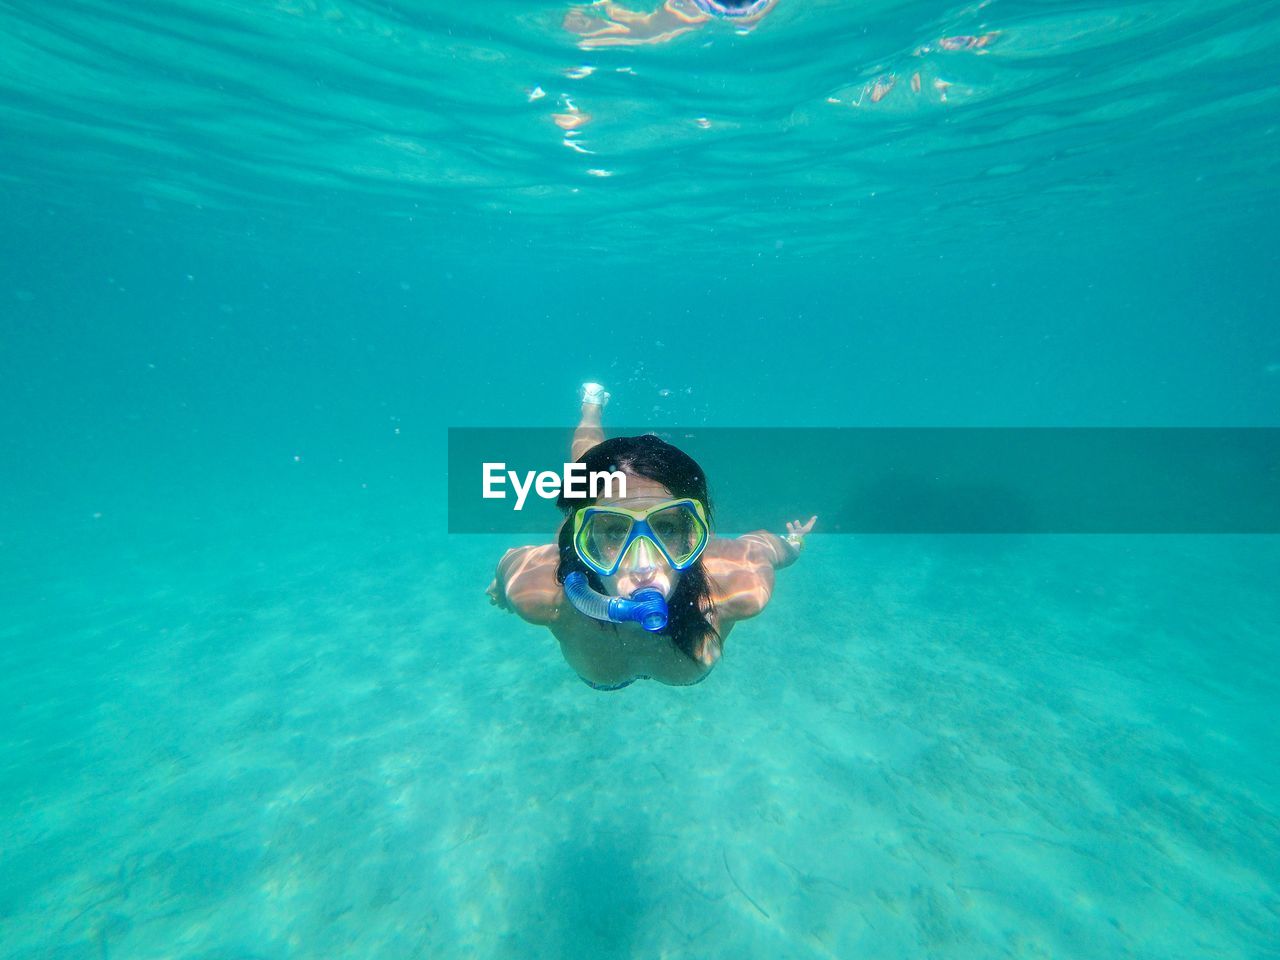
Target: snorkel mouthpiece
x=647, y=607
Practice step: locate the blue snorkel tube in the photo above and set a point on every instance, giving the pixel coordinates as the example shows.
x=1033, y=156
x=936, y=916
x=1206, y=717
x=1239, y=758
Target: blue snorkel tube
x=647, y=607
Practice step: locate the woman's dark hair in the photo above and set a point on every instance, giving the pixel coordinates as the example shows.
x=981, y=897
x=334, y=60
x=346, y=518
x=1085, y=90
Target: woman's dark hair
x=690, y=606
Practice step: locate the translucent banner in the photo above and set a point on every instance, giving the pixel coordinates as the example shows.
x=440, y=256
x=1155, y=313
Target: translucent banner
x=944, y=480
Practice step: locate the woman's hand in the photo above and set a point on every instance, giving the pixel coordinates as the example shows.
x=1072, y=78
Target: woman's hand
x=497, y=596
x=800, y=530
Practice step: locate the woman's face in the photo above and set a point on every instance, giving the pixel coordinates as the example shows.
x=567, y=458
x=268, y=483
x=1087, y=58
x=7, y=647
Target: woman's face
x=643, y=565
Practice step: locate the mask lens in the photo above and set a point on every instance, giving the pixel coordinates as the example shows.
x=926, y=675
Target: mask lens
x=679, y=530
x=604, y=537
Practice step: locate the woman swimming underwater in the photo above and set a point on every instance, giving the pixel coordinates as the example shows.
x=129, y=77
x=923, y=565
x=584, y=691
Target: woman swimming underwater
x=637, y=587
x=608, y=24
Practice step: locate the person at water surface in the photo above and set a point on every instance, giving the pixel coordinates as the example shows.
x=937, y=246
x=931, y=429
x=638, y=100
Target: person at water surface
x=608, y=24
x=636, y=586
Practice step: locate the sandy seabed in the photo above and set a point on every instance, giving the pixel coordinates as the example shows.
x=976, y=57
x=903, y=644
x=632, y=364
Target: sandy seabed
x=945, y=747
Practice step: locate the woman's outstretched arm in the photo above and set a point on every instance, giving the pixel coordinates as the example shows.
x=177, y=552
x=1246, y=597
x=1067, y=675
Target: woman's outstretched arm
x=743, y=568
x=777, y=551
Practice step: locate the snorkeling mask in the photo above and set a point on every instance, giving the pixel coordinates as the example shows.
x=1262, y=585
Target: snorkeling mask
x=676, y=528
x=603, y=535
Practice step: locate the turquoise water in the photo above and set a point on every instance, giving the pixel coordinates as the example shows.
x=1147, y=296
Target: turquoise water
x=259, y=256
